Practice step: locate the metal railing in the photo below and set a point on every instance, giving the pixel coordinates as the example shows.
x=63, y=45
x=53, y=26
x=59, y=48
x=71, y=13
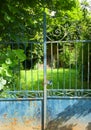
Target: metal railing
x=67, y=69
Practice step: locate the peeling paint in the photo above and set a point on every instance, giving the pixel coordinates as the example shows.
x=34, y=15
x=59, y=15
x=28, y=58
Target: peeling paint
x=62, y=114
x=18, y=115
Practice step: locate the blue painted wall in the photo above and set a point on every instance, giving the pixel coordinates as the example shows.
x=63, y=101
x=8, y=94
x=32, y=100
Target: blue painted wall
x=69, y=114
x=18, y=115
x=62, y=114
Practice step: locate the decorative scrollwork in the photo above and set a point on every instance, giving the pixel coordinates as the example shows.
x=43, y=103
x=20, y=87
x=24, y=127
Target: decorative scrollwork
x=69, y=93
x=51, y=93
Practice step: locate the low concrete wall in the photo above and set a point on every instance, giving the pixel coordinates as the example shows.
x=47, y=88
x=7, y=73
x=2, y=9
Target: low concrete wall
x=62, y=114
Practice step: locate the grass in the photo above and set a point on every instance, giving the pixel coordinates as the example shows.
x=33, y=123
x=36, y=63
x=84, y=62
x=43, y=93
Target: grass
x=61, y=79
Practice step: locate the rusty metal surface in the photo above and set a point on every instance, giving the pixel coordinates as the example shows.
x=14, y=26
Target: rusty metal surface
x=20, y=115
x=64, y=114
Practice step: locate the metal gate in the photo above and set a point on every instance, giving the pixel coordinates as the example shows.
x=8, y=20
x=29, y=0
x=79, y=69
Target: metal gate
x=61, y=71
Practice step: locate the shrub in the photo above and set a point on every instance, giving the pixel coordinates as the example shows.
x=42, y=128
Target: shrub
x=10, y=62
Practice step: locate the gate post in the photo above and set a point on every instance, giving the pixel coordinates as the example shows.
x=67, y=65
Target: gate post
x=45, y=69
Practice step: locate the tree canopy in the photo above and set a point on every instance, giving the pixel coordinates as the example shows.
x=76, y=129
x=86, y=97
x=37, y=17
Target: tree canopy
x=23, y=20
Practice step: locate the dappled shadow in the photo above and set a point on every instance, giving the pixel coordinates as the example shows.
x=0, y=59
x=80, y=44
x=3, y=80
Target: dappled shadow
x=70, y=127
x=55, y=126
x=89, y=126
x=72, y=116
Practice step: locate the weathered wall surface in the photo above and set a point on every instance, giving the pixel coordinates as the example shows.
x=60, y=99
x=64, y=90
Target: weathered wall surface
x=62, y=114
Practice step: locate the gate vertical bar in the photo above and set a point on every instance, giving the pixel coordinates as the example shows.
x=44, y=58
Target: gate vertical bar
x=45, y=69
x=88, y=80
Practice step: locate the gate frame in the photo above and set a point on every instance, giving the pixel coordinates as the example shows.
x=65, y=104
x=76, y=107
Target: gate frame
x=45, y=71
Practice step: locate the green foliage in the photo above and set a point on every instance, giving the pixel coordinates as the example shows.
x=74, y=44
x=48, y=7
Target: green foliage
x=67, y=56
x=84, y=63
x=17, y=20
x=23, y=20
x=34, y=55
x=85, y=48
x=10, y=61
